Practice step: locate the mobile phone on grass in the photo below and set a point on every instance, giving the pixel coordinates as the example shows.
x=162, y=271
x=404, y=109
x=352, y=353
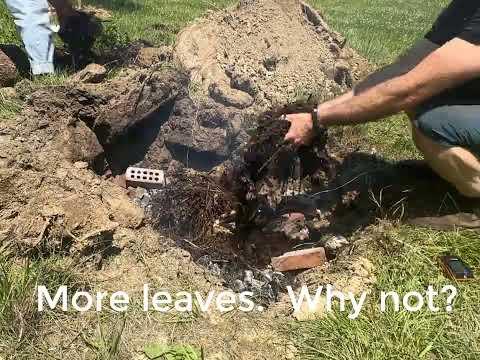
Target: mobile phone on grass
x=455, y=269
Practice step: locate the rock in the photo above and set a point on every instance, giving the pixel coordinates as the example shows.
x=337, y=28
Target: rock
x=224, y=94
x=342, y=74
x=300, y=259
x=243, y=83
x=8, y=93
x=335, y=50
x=24, y=88
x=92, y=74
x=152, y=55
x=8, y=71
x=271, y=61
x=293, y=226
x=336, y=242
x=81, y=165
x=314, y=16
x=80, y=144
x=307, y=313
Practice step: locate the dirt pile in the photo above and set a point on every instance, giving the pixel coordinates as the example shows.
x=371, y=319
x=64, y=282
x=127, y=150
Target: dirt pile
x=267, y=53
x=51, y=200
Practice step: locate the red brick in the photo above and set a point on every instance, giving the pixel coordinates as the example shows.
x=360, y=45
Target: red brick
x=300, y=259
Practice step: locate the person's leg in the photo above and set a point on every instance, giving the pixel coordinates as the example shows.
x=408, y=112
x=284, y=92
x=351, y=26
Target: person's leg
x=33, y=19
x=449, y=137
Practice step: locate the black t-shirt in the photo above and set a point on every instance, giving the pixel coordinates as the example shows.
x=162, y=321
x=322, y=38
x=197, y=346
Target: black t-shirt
x=460, y=19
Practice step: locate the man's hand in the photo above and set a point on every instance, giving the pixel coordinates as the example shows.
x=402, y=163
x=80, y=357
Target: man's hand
x=301, y=130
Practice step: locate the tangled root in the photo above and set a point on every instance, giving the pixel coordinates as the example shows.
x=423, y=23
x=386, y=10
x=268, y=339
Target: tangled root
x=190, y=205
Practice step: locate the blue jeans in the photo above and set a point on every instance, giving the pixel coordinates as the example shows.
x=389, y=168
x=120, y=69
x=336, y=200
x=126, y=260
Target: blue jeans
x=33, y=20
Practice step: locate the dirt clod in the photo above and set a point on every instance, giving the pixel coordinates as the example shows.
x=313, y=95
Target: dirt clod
x=8, y=71
x=92, y=73
x=150, y=56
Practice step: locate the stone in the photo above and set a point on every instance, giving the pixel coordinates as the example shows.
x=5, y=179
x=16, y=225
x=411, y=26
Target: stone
x=8, y=71
x=79, y=144
x=342, y=74
x=91, y=74
x=314, y=16
x=300, y=259
x=309, y=313
x=8, y=93
x=336, y=242
x=224, y=94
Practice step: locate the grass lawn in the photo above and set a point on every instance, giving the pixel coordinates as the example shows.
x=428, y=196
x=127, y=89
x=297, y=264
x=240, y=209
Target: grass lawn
x=380, y=30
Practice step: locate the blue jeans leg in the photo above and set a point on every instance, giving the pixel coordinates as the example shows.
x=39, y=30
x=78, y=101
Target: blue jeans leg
x=33, y=20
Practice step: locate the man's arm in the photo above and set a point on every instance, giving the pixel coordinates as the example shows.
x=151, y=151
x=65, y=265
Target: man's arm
x=456, y=62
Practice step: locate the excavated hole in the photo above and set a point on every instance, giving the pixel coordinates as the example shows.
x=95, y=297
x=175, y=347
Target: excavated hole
x=232, y=213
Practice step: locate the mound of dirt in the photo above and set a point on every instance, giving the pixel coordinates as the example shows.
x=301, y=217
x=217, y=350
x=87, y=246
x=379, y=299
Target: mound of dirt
x=265, y=53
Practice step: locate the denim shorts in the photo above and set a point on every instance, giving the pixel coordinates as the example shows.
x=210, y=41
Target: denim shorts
x=450, y=122
x=451, y=118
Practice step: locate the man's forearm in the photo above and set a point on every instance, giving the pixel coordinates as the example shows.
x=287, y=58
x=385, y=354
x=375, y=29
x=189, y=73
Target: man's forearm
x=443, y=69
x=380, y=101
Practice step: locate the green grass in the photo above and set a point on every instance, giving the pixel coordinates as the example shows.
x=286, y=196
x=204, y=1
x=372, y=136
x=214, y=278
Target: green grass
x=380, y=29
x=19, y=317
x=8, y=33
x=156, y=21
x=409, y=266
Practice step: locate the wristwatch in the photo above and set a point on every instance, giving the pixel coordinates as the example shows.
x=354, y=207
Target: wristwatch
x=317, y=127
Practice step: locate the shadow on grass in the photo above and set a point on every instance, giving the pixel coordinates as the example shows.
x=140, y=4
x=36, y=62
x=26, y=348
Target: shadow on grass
x=367, y=187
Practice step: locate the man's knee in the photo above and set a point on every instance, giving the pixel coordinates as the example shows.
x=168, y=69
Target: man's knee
x=469, y=189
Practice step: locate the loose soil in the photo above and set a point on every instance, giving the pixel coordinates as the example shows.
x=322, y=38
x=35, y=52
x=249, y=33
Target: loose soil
x=245, y=56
